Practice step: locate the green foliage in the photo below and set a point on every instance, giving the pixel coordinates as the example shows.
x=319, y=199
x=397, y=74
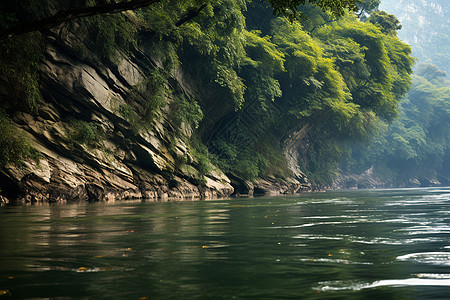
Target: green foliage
x=388, y=23
x=187, y=112
x=213, y=39
x=289, y=7
x=417, y=143
x=201, y=153
x=366, y=7
x=14, y=12
x=128, y=113
x=152, y=93
x=216, y=41
x=19, y=64
x=338, y=77
x=149, y=97
x=262, y=53
x=14, y=146
x=262, y=63
x=240, y=160
x=430, y=72
x=146, y=101
x=227, y=78
x=161, y=38
x=108, y=33
x=376, y=67
x=335, y=76
x=323, y=159
x=87, y=133
x=313, y=89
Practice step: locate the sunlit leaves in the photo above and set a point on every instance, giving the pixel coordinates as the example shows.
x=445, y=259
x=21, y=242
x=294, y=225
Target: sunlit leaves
x=289, y=7
x=262, y=53
x=376, y=67
x=228, y=79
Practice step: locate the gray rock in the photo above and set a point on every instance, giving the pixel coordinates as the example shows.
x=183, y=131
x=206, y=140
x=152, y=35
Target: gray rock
x=121, y=162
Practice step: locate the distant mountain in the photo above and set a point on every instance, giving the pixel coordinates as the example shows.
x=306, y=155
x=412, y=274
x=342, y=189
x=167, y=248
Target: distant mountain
x=426, y=25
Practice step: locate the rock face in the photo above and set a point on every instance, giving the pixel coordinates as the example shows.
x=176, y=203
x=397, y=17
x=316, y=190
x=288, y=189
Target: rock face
x=121, y=163
x=369, y=180
x=365, y=180
x=277, y=186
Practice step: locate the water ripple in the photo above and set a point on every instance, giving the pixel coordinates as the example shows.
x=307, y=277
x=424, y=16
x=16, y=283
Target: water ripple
x=357, y=286
x=434, y=258
x=427, y=230
x=336, y=261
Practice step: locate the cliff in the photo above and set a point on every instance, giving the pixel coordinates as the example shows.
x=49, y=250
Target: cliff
x=373, y=179
x=181, y=100
x=90, y=147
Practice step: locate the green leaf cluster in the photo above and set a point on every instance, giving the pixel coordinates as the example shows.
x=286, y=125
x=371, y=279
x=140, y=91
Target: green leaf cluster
x=338, y=79
x=83, y=132
x=19, y=65
x=15, y=148
x=289, y=8
x=187, y=113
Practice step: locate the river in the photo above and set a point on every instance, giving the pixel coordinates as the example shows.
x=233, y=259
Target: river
x=371, y=244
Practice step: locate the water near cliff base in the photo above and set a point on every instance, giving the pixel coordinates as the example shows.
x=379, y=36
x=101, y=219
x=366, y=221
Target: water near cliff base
x=381, y=244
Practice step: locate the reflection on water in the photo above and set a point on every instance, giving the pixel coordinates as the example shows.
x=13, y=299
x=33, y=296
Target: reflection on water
x=383, y=244
x=340, y=286
x=436, y=258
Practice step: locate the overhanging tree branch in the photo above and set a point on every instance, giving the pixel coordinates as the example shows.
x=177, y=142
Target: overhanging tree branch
x=72, y=14
x=190, y=15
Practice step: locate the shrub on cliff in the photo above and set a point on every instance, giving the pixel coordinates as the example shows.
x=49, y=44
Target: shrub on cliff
x=14, y=146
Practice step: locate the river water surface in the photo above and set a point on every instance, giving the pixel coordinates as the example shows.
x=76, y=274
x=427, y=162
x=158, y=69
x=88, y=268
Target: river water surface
x=381, y=244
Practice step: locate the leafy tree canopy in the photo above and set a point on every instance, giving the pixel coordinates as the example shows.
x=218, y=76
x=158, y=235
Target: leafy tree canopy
x=12, y=24
x=366, y=7
x=388, y=23
x=430, y=71
x=417, y=145
x=290, y=7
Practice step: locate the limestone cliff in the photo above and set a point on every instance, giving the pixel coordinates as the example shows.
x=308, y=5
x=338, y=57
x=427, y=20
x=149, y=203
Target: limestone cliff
x=122, y=162
x=370, y=179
